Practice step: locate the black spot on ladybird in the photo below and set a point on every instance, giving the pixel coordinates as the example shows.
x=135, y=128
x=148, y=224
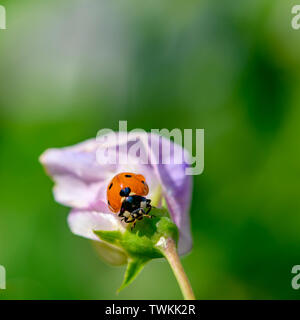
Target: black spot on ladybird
x=128, y=175
x=110, y=186
x=125, y=192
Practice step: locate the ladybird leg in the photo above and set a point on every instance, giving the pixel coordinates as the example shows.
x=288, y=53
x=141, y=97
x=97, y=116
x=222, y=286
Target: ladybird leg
x=132, y=216
x=133, y=225
x=136, y=214
x=141, y=213
x=147, y=215
x=149, y=207
x=121, y=214
x=127, y=219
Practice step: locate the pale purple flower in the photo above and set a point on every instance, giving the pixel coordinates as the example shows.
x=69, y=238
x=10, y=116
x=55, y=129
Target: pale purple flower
x=81, y=181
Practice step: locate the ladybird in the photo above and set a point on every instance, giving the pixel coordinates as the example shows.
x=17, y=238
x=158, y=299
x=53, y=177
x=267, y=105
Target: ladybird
x=126, y=196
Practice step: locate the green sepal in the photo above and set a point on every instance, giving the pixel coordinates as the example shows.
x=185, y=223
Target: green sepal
x=140, y=244
x=134, y=267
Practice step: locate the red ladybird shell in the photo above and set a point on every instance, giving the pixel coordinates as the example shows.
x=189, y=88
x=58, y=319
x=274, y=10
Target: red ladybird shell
x=136, y=182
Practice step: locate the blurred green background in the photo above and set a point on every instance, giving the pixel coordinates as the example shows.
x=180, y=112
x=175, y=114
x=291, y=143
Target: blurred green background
x=69, y=68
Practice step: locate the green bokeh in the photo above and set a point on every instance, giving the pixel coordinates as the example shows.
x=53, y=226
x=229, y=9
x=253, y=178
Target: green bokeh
x=69, y=68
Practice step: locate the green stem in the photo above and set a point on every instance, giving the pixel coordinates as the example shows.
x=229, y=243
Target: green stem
x=170, y=252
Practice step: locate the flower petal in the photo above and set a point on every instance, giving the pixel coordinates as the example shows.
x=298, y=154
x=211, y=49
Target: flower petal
x=78, y=161
x=77, y=175
x=177, y=188
x=84, y=223
x=73, y=192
